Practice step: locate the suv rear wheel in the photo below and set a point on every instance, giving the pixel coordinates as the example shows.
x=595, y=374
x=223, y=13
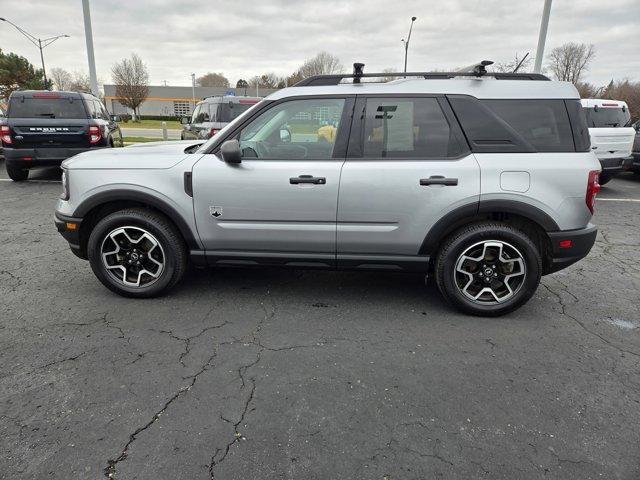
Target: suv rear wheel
x=15, y=173
x=488, y=269
x=137, y=253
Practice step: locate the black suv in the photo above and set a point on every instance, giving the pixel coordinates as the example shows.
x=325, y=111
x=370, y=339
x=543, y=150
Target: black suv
x=43, y=128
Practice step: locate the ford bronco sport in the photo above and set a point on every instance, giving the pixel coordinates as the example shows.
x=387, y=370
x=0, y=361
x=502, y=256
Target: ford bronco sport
x=43, y=128
x=484, y=181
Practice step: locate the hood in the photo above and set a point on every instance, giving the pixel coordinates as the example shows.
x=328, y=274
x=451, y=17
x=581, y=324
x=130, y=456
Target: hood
x=152, y=155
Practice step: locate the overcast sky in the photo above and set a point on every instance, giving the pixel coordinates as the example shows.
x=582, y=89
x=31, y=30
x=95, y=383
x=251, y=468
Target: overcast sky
x=243, y=39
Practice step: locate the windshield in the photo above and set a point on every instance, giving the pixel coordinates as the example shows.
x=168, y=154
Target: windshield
x=207, y=145
x=232, y=110
x=606, y=117
x=47, y=108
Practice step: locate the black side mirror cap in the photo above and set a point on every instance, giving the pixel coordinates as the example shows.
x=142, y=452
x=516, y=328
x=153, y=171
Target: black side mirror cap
x=230, y=151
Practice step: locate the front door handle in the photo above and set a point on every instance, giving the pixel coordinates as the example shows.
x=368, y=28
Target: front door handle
x=439, y=180
x=307, y=179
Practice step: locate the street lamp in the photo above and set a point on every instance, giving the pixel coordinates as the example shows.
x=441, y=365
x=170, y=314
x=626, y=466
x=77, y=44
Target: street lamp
x=406, y=43
x=193, y=90
x=41, y=43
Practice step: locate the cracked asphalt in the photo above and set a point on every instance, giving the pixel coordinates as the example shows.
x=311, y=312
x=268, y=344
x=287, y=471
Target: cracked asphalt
x=275, y=374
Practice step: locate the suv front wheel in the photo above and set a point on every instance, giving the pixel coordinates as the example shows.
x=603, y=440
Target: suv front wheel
x=488, y=269
x=137, y=253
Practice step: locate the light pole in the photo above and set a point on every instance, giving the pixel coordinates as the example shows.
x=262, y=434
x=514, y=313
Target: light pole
x=88, y=34
x=542, y=38
x=193, y=90
x=41, y=43
x=406, y=43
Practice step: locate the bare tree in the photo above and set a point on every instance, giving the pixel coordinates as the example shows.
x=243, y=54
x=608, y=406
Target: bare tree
x=588, y=90
x=569, y=61
x=213, y=79
x=131, y=79
x=61, y=78
x=267, y=80
x=510, y=66
x=80, y=82
x=323, y=63
x=388, y=78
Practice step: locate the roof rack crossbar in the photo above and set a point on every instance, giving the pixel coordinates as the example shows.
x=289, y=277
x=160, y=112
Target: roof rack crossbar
x=476, y=70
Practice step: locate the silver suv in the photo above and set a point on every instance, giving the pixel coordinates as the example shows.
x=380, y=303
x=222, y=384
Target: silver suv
x=483, y=181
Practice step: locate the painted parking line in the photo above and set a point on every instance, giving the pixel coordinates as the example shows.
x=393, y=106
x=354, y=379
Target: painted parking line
x=31, y=181
x=618, y=199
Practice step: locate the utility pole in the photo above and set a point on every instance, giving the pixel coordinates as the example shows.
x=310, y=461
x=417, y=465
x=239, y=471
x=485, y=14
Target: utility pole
x=193, y=90
x=406, y=43
x=542, y=38
x=88, y=33
x=41, y=43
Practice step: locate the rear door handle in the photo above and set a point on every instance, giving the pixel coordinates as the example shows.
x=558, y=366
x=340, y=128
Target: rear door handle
x=307, y=179
x=439, y=180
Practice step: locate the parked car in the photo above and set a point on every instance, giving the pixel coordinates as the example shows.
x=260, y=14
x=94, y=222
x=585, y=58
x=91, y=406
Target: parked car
x=636, y=149
x=212, y=114
x=2, y=118
x=43, y=128
x=611, y=134
x=484, y=183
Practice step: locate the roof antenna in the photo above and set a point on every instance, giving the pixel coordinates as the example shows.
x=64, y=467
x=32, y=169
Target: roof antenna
x=358, y=71
x=515, y=70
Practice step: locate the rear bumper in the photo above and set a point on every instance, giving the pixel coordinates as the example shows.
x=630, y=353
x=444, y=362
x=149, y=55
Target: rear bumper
x=611, y=166
x=581, y=242
x=69, y=228
x=34, y=157
x=635, y=166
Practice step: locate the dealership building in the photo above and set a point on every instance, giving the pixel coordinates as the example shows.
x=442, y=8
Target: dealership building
x=174, y=101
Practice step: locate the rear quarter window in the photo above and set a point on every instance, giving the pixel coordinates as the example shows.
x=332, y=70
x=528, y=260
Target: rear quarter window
x=46, y=108
x=231, y=110
x=542, y=123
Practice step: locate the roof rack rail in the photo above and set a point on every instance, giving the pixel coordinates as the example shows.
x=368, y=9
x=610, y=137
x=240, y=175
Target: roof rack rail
x=476, y=70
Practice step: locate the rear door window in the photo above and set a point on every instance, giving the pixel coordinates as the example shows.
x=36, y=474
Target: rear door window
x=607, y=117
x=542, y=123
x=48, y=107
x=407, y=128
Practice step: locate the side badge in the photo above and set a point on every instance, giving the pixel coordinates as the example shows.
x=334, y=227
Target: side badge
x=215, y=211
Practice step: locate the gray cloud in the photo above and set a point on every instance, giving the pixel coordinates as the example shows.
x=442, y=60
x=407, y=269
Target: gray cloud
x=243, y=39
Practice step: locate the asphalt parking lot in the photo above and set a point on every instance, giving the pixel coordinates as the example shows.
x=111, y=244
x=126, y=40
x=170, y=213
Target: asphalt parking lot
x=265, y=374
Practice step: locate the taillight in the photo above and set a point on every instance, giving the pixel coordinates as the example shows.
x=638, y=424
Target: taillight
x=94, y=134
x=213, y=132
x=5, y=134
x=593, y=187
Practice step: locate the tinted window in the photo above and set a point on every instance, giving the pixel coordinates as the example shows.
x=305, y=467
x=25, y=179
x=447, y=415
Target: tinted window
x=581, y=137
x=407, y=128
x=231, y=110
x=607, y=117
x=542, y=123
x=298, y=129
x=21, y=107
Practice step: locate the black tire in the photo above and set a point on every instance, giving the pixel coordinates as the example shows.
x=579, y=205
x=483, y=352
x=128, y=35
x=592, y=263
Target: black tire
x=15, y=173
x=467, y=238
x=173, y=250
x=603, y=179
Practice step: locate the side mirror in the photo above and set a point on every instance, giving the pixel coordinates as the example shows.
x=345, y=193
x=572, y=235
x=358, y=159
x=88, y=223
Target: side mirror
x=185, y=120
x=285, y=135
x=230, y=151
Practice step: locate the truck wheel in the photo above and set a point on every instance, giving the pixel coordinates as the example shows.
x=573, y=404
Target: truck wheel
x=488, y=269
x=604, y=179
x=17, y=174
x=137, y=253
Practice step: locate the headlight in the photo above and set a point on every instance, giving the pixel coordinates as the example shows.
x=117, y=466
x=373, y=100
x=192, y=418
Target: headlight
x=65, y=186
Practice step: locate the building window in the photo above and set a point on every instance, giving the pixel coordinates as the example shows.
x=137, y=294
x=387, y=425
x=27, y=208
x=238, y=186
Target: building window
x=181, y=109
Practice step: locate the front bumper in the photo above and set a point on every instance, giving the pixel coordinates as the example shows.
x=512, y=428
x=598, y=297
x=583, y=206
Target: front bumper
x=40, y=157
x=612, y=166
x=581, y=241
x=69, y=228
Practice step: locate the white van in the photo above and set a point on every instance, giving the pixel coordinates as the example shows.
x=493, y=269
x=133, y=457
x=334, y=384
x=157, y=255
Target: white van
x=611, y=134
